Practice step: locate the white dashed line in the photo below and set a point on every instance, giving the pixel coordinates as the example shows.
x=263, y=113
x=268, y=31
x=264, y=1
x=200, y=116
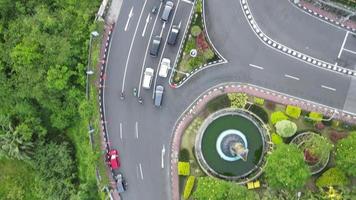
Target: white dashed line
x=292, y=77
x=121, y=131
x=255, y=66
x=136, y=128
x=141, y=173
x=328, y=88
x=350, y=51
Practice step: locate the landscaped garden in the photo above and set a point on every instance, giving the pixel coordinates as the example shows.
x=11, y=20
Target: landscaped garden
x=196, y=48
x=311, y=156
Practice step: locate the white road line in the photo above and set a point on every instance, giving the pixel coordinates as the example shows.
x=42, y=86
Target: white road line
x=350, y=51
x=161, y=33
x=187, y=1
x=144, y=28
x=141, y=173
x=255, y=66
x=132, y=41
x=128, y=20
x=145, y=57
x=343, y=44
x=164, y=47
x=329, y=88
x=136, y=129
x=162, y=155
x=292, y=77
x=121, y=131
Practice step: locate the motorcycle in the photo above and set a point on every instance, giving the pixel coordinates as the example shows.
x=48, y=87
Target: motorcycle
x=135, y=92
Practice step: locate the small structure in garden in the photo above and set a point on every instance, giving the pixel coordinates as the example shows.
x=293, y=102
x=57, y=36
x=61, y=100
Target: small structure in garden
x=240, y=144
x=193, y=53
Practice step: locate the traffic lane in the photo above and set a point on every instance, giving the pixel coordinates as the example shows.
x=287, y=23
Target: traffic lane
x=347, y=60
x=229, y=31
x=286, y=24
x=310, y=85
x=350, y=103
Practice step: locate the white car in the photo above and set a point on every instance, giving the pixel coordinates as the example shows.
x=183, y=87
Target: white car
x=147, y=78
x=165, y=66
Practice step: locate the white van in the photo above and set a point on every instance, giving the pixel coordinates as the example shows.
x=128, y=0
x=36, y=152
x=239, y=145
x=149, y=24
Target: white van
x=147, y=78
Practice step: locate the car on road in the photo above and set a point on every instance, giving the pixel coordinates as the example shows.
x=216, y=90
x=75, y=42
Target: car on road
x=159, y=95
x=154, y=10
x=147, y=78
x=121, y=184
x=167, y=11
x=165, y=66
x=113, y=158
x=173, y=35
x=155, y=45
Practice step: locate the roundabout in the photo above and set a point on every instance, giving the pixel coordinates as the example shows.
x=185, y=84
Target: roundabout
x=230, y=144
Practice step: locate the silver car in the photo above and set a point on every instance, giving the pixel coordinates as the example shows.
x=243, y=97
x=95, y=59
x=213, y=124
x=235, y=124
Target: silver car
x=159, y=95
x=167, y=10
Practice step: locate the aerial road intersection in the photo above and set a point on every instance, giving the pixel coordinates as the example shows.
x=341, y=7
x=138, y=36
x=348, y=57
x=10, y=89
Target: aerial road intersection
x=283, y=59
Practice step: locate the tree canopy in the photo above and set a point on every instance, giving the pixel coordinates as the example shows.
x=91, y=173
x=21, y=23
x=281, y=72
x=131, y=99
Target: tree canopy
x=345, y=156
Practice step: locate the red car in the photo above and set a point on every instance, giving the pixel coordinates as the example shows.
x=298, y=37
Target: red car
x=113, y=158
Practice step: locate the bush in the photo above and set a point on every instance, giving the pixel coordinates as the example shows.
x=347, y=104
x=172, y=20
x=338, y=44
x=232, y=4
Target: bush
x=238, y=100
x=218, y=103
x=188, y=187
x=258, y=100
x=183, y=168
x=208, y=54
x=345, y=157
x=270, y=105
x=278, y=116
x=189, y=45
x=320, y=126
x=276, y=139
x=286, y=128
x=332, y=177
x=199, y=6
x=260, y=112
x=315, y=116
x=195, y=31
x=335, y=136
x=293, y=111
x=195, y=62
x=184, y=155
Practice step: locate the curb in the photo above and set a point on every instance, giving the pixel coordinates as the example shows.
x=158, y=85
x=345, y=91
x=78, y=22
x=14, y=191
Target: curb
x=198, y=104
x=221, y=59
x=289, y=51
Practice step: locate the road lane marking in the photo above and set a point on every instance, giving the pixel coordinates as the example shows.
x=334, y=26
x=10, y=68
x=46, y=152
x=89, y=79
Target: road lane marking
x=132, y=41
x=292, y=77
x=164, y=47
x=163, y=26
x=141, y=173
x=255, y=66
x=144, y=28
x=128, y=20
x=145, y=57
x=187, y=1
x=328, y=88
x=162, y=155
x=136, y=128
x=121, y=131
x=350, y=51
x=343, y=44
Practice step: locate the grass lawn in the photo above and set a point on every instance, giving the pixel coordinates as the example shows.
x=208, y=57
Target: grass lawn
x=17, y=180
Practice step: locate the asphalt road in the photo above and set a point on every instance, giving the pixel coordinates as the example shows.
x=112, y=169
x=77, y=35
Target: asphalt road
x=141, y=132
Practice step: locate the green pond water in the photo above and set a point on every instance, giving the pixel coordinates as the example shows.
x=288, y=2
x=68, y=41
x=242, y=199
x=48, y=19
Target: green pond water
x=254, y=140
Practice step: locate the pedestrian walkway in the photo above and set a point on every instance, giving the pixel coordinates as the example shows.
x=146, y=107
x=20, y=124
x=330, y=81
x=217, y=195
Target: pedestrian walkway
x=199, y=104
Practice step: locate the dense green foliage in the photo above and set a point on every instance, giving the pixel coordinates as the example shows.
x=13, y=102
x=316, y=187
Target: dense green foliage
x=293, y=111
x=218, y=103
x=318, y=146
x=276, y=139
x=238, y=100
x=43, y=53
x=278, y=116
x=195, y=31
x=260, y=112
x=188, y=187
x=215, y=189
x=316, y=116
x=183, y=168
x=286, y=128
x=332, y=177
x=286, y=168
x=345, y=154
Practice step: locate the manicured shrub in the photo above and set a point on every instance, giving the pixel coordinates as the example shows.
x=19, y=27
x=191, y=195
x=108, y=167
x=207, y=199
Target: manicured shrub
x=199, y=6
x=258, y=100
x=208, y=54
x=195, y=31
x=286, y=128
x=218, y=103
x=345, y=156
x=270, y=105
x=278, y=116
x=183, y=168
x=184, y=155
x=238, y=100
x=316, y=148
x=315, y=116
x=260, y=112
x=335, y=136
x=276, y=139
x=188, y=187
x=332, y=177
x=293, y=111
x=201, y=42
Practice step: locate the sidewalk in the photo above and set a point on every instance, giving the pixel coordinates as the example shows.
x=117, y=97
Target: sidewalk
x=199, y=104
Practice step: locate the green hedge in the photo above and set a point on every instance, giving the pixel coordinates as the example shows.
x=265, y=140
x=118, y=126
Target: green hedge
x=278, y=116
x=188, y=187
x=315, y=116
x=276, y=139
x=332, y=177
x=258, y=101
x=183, y=168
x=260, y=112
x=293, y=111
x=184, y=155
